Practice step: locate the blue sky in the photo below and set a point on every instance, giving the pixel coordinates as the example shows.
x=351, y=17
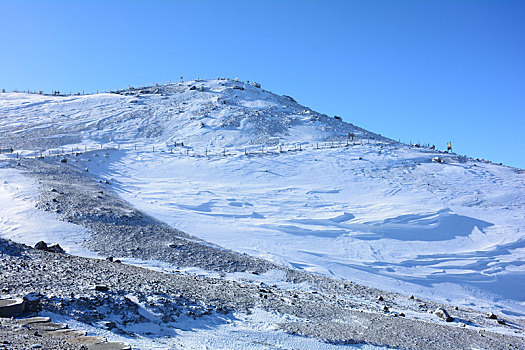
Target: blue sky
x=427, y=71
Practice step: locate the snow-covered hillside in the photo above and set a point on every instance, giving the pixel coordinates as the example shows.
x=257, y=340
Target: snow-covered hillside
x=263, y=175
x=213, y=114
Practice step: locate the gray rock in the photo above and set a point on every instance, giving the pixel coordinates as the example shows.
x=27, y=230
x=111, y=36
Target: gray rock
x=101, y=288
x=55, y=248
x=442, y=313
x=41, y=245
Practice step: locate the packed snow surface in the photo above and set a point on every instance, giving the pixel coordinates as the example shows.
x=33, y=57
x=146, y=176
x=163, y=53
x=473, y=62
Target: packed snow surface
x=263, y=175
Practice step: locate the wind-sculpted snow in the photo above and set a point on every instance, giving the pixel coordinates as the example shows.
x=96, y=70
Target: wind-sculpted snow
x=451, y=231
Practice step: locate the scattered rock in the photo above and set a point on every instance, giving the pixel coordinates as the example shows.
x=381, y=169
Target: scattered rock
x=41, y=245
x=110, y=324
x=380, y=298
x=492, y=316
x=55, y=248
x=437, y=160
x=109, y=258
x=32, y=302
x=101, y=288
x=442, y=313
x=385, y=308
x=500, y=321
x=63, y=160
x=411, y=297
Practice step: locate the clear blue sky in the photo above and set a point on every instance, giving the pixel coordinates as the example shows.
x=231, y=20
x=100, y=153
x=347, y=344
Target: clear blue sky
x=428, y=71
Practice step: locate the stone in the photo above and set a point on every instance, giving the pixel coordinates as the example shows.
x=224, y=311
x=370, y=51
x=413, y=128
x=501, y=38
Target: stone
x=442, y=313
x=32, y=302
x=41, y=245
x=109, y=258
x=492, y=316
x=110, y=324
x=380, y=298
x=55, y=248
x=63, y=160
x=385, y=308
x=500, y=321
x=411, y=297
x=437, y=160
x=101, y=288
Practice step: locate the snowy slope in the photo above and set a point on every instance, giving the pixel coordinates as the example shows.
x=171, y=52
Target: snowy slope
x=221, y=115
x=382, y=214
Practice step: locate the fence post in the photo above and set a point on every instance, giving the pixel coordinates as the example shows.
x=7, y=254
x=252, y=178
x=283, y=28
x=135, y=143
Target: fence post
x=317, y=145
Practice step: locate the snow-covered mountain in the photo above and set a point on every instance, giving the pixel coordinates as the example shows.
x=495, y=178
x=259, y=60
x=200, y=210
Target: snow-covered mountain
x=261, y=174
x=215, y=114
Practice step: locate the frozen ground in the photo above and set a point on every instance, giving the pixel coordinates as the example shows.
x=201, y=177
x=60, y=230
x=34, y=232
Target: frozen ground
x=258, y=175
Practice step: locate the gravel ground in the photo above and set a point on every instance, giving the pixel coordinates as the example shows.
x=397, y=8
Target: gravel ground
x=321, y=307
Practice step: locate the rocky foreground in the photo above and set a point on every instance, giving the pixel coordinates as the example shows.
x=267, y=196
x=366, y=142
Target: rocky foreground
x=110, y=295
